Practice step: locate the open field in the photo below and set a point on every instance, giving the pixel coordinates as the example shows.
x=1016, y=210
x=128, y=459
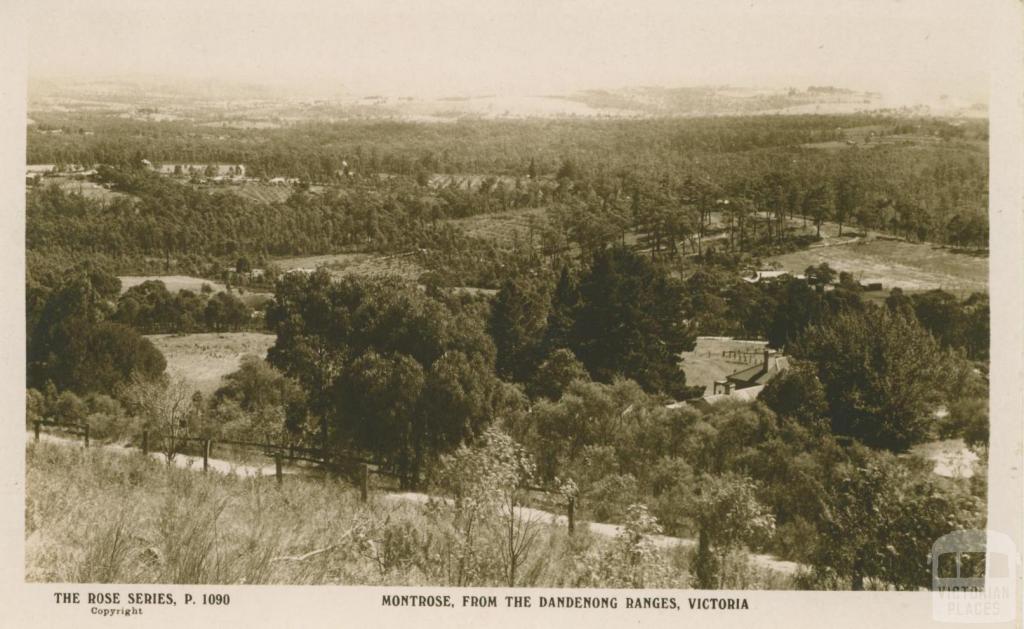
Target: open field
x=87, y=189
x=176, y=283
x=706, y=363
x=361, y=264
x=913, y=142
x=256, y=191
x=952, y=458
x=894, y=263
x=862, y=141
x=260, y=192
x=502, y=227
x=204, y=359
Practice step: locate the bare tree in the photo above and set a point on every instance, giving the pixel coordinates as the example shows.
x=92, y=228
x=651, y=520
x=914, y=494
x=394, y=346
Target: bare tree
x=164, y=406
x=521, y=527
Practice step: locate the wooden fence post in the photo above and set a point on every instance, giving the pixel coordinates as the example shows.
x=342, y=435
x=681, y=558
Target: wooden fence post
x=145, y=442
x=206, y=455
x=364, y=483
x=36, y=426
x=86, y=434
x=277, y=468
x=572, y=514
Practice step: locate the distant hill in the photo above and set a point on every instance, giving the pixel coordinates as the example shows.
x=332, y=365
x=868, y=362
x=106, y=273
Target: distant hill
x=249, y=105
x=730, y=100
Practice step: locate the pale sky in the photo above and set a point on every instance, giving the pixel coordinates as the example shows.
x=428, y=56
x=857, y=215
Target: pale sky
x=437, y=47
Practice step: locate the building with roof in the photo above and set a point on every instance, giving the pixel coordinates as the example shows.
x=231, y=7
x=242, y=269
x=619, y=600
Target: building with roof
x=771, y=275
x=756, y=375
x=744, y=385
x=705, y=403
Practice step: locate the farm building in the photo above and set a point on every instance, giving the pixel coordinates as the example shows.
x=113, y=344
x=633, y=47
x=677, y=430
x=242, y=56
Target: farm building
x=212, y=170
x=770, y=275
x=40, y=169
x=744, y=385
x=741, y=395
x=755, y=375
x=37, y=171
x=283, y=181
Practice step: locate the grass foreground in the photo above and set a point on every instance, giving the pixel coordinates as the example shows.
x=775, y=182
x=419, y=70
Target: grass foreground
x=101, y=517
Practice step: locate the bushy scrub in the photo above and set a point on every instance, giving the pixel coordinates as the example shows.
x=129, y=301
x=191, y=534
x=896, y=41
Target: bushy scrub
x=632, y=560
x=486, y=481
x=94, y=515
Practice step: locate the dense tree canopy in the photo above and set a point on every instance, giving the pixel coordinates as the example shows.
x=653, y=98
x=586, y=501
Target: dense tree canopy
x=73, y=345
x=518, y=321
x=887, y=514
x=152, y=309
x=387, y=368
x=883, y=375
x=631, y=322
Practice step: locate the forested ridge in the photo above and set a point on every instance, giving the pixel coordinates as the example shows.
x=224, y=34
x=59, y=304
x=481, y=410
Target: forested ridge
x=659, y=179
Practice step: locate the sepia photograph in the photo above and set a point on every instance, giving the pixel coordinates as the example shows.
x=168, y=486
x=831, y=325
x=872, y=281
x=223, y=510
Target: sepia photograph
x=627, y=305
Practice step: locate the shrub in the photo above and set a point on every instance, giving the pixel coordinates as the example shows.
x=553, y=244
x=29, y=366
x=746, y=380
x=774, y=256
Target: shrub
x=728, y=515
x=70, y=409
x=632, y=560
x=609, y=499
x=485, y=481
x=35, y=406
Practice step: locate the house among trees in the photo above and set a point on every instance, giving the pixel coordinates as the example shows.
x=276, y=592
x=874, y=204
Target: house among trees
x=755, y=375
x=769, y=276
x=743, y=386
x=35, y=172
x=40, y=169
x=224, y=171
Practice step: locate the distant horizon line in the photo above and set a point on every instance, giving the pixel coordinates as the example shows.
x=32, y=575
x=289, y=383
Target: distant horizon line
x=305, y=88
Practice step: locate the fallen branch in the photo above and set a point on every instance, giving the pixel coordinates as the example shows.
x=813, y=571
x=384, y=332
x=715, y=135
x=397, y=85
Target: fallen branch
x=314, y=553
x=311, y=553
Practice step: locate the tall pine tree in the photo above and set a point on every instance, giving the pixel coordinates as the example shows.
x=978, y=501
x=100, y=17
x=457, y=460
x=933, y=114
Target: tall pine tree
x=632, y=322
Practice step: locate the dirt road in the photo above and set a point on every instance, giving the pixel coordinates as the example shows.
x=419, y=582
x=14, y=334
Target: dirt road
x=612, y=530
x=183, y=461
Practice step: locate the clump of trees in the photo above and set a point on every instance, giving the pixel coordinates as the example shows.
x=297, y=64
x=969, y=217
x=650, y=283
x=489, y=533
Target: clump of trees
x=152, y=309
x=724, y=304
x=958, y=324
x=883, y=515
x=623, y=317
x=169, y=408
x=883, y=376
x=387, y=368
x=257, y=403
x=728, y=515
x=633, y=560
x=73, y=342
